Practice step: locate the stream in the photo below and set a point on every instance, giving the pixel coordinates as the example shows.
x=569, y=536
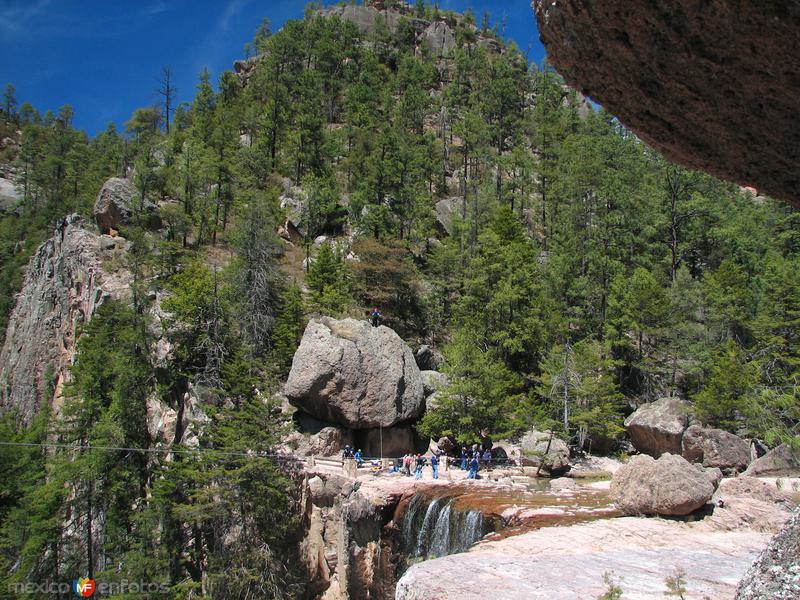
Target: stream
x=442, y=520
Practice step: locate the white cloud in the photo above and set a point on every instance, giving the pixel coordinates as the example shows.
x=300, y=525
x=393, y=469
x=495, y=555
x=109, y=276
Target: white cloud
x=155, y=9
x=14, y=18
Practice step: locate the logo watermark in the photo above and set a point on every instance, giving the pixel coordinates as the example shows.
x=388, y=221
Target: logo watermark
x=86, y=588
x=83, y=587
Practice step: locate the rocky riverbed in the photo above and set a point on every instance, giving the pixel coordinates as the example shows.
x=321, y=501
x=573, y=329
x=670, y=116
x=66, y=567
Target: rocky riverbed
x=712, y=553
x=386, y=536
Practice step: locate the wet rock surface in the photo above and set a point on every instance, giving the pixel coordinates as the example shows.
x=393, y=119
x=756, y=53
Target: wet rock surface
x=711, y=85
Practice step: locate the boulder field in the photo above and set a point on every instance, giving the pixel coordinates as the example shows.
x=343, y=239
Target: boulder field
x=667, y=425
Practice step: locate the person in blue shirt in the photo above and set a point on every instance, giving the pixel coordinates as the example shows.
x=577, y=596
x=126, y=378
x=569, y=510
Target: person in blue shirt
x=435, y=465
x=473, y=467
x=375, y=317
x=463, y=458
x=358, y=457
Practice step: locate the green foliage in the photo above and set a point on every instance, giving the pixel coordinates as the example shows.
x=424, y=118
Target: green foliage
x=676, y=584
x=328, y=281
x=613, y=589
x=483, y=394
x=578, y=383
x=289, y=326
x=729, y=393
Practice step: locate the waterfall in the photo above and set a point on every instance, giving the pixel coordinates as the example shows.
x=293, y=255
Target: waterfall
x=425, y=531
x=473, y=530
x=440, y=541
x=437, y=528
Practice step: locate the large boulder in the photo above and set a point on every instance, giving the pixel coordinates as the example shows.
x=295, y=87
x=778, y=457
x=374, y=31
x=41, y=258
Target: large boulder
x=715, y=448
x=780, y=461
x=658, y=427
x=432, y=381
x=704, y=83
x=355, y=375
x=116, y=204
x=428, y=359
x=535, y=451
x=668, y=486
x=446, y=211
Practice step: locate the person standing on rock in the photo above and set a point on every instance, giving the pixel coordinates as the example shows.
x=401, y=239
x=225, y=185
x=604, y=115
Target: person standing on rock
x=464, y=458
x=487, y=459
x=420, y=463
x=359, y=457
x=435, y=465
x=473, y=467
x=375, y=317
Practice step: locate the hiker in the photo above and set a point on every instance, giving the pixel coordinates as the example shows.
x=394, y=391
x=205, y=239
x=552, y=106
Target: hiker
x=487, y=459
x=358, y=457
x=473, y=467
x=375, y=317
x=420, y=463
x=463, y=458
x=407, y=464
x=347, y=453
x=435, y=465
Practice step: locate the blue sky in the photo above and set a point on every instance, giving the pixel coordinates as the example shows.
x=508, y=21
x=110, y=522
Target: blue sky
x=104, y=56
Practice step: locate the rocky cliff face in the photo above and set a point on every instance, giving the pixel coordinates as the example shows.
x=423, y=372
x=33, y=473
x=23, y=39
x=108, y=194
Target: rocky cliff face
x=711, y=85
x=348, y=550
x=437, y=37
x=66, y=281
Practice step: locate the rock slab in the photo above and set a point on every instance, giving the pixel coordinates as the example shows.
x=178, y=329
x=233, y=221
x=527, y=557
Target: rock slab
x=776, y=572
x=565, y=563
x=355, y=375
x=779, y=461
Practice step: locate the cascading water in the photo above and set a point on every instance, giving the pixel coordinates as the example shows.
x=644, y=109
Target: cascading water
x=440, y=540
x=423, y=538
x=437, y=528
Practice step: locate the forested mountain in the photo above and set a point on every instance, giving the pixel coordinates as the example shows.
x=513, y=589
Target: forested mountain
x=566, y=272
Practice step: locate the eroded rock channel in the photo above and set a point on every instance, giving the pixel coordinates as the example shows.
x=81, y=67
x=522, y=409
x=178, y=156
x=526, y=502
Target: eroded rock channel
x=363, y=535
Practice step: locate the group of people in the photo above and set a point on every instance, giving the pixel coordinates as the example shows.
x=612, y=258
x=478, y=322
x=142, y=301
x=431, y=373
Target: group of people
x=474, y=458
x=404, y=464
x=354, y=454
